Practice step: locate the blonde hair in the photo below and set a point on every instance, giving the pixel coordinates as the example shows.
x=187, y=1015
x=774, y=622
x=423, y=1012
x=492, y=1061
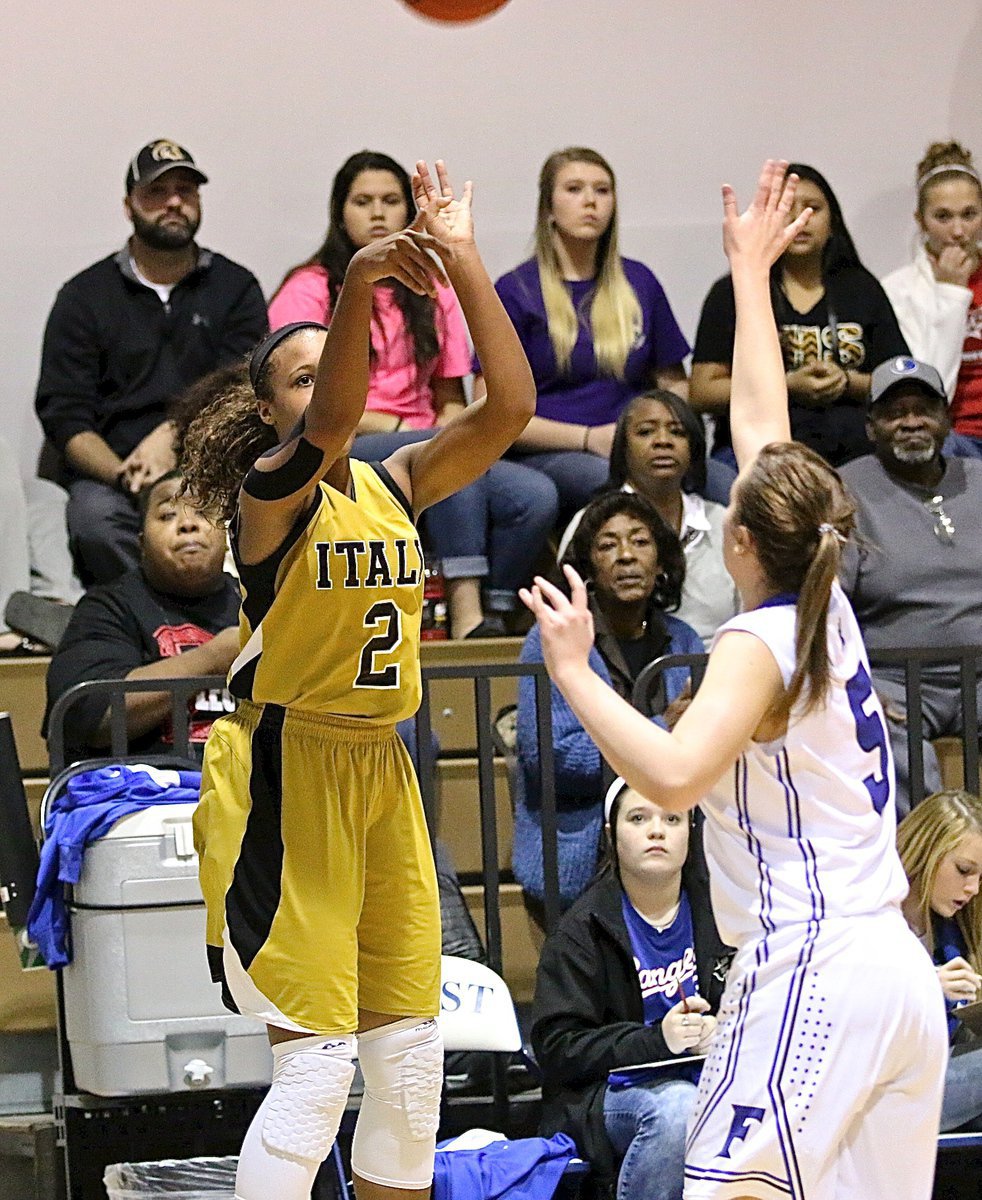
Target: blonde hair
x=933, y=830
x=615, y=316
x=799, y=514
x=943, y=162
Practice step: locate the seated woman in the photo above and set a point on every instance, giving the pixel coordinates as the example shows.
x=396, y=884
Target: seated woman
x=835, y=322
x=490, y=533
x=940, y=845
x=659, y=451
x=631, y=975
x=597, y=328
x=938, y=296
x=635, y=569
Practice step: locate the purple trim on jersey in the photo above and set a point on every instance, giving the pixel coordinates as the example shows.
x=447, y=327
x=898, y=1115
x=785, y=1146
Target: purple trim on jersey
x=779, y=601
x=718, y=1175
x=789, y=1017
x=753, y=845
x=729, y=1067
x=806, y=846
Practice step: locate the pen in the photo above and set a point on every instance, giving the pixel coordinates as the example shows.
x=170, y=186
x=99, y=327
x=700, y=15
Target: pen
x=685, y=998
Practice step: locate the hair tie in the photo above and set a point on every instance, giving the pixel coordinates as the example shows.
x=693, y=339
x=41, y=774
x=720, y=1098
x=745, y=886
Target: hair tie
x=261, y=354
x=940, y=170
x=826, y=527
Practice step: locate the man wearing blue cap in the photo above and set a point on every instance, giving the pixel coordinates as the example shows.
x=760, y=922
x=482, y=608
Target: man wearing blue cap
x=916, y=577
x=124, y=338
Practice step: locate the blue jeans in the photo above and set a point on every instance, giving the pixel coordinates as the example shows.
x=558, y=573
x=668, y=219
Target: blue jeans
x=575, y=474
x=647, y=1126
x=494, y=529
x=962, y=1102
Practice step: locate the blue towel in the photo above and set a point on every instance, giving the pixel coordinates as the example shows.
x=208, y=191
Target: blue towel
x=91, y=803
x=525, y=1169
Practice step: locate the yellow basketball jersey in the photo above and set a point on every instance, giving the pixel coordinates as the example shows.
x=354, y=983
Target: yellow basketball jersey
x=330, y=622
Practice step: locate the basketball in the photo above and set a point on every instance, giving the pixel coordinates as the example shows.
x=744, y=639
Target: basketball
x=454, y=12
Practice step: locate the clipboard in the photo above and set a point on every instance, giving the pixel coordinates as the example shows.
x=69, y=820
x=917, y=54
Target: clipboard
x=652, y=1072
x=970, y=1015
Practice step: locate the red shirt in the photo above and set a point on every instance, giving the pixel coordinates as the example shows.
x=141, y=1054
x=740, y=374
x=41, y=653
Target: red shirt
x=966, y=407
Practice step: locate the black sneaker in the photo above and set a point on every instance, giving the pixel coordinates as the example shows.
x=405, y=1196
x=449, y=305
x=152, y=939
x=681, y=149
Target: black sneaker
x=40, y=619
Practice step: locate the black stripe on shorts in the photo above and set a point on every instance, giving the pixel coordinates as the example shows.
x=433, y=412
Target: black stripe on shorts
x=254, y=895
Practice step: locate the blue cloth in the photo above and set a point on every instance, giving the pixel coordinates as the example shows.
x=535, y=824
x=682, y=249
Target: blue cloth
x=91, y=803
x=663, y=958
x=526, y=1169
x=948, y=944
x=578, y=773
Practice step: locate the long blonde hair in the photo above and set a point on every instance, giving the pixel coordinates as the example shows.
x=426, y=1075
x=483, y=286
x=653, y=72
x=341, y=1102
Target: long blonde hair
x=615, y=314
x=931, y=831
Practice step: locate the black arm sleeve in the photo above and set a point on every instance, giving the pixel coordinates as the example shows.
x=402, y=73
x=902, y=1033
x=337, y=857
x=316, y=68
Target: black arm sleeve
x=884, y=339
x=68, y=387
x=246, y=324
x=304, y=465
x=717, y=324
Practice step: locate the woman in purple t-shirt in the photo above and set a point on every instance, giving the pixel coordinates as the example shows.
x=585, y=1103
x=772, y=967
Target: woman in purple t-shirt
x=597, y=328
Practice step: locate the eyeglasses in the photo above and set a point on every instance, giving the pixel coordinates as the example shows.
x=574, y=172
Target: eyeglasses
x=944, y=526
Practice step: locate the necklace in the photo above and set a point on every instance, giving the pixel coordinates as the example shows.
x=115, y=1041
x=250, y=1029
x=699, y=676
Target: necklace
x=669, y=918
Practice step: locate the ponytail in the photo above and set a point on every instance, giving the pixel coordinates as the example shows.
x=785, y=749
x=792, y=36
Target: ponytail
x=800, y=516
x=811, y=668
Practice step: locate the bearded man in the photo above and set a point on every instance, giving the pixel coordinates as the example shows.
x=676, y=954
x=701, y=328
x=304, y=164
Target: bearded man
x=124, y=338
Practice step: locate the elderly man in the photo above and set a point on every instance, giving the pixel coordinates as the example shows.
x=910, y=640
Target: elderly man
x=123, y=339
x=916, y=577
x=175, y=615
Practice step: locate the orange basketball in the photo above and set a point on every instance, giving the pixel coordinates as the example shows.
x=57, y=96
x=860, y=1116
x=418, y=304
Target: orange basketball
x=454, y=12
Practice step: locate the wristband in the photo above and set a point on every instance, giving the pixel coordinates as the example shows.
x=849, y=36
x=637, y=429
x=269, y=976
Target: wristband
x=586, y=438
x=397, y=426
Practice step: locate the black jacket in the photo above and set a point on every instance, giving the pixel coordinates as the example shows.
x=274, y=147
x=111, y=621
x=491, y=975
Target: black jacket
x=115, y=356
x=588, y=1015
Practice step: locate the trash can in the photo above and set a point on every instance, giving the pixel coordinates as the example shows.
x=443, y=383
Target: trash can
x=188, y=1178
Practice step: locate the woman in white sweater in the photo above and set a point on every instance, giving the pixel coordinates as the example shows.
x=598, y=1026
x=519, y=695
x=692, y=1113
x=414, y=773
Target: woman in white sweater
x=938, y=296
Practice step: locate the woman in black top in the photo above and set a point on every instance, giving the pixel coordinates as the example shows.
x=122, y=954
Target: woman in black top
x=632, y=974
x=836, y=325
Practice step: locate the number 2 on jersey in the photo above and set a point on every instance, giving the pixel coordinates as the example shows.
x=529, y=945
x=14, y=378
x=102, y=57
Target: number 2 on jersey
x=871, y=735
x=384, y=616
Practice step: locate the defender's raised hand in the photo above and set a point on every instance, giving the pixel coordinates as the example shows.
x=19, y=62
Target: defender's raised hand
x=445, y=217
x=759, y=236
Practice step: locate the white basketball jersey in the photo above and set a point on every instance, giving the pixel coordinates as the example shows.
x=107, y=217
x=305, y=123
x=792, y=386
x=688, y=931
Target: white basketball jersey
x=804, y=828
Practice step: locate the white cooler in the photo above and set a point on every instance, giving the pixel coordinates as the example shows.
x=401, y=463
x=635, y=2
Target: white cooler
x=141, y=1012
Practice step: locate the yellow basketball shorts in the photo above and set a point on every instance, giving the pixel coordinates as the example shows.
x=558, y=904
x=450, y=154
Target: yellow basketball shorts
x=317, y=871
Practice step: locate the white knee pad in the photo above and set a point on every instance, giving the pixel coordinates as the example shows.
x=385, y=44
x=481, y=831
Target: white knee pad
x=396, y=1131
x=303, y=1110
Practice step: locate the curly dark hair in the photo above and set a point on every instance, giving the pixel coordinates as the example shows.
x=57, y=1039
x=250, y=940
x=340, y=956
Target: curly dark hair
x=221, y=436
x=671, y=560
x=336, y=251
x=694, y=479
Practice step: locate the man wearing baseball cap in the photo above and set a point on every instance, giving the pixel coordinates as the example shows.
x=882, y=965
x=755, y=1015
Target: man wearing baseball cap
x=915, y=574
x=123, y=339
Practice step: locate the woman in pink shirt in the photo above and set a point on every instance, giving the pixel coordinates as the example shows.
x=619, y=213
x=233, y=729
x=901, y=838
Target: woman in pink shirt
x=490, y=535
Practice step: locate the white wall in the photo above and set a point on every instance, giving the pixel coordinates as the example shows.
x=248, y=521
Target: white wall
x=270, y=97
